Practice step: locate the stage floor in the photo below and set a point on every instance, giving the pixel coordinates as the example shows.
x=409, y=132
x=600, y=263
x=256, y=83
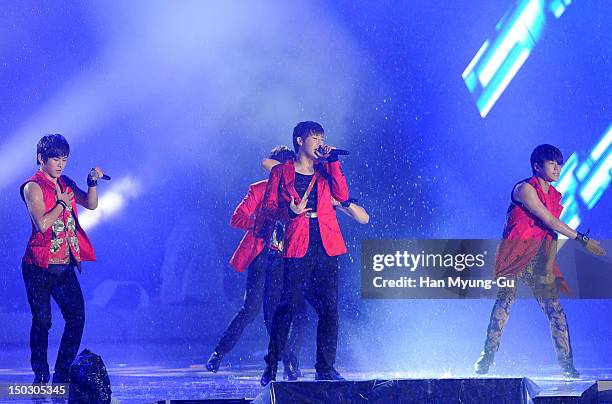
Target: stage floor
x=139, y=383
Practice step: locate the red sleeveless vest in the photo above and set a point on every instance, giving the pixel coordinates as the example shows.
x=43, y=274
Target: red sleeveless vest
x=38, y=251
x=524, y=234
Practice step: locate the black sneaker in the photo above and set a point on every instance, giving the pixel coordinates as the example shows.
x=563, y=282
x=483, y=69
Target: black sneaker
x=41, y=377
x=331, y=374
x=483, y=363
x=60, y=378
x=292, y=370
x=214, y=362
x=269, y=375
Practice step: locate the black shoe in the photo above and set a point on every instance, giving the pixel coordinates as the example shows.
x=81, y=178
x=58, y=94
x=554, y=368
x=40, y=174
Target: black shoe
x=269, y=375
x=41, y=377
x=570, y=371
x=60, y=378
x=292, y=371
x=214, y=361
x=331, y=374
x=483, y=363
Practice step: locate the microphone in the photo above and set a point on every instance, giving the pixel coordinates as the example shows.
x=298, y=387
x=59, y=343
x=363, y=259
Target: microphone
x=339, y=152
x=104, y=176
x=334, y=152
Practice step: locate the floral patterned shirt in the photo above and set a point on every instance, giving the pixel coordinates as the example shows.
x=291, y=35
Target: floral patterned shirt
x=64, y=240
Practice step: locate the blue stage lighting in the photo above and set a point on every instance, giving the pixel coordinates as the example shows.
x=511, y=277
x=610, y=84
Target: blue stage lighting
x=582, y=183
x=500, y=57
x=111, y=202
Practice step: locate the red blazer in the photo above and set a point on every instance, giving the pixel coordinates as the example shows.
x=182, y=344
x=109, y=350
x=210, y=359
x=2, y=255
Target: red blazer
x=244, y=218
x=280, y=189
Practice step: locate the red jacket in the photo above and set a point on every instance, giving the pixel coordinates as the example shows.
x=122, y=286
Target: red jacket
x=39, y=246
x=280, y=189
x=243, y=218
x=524, y=234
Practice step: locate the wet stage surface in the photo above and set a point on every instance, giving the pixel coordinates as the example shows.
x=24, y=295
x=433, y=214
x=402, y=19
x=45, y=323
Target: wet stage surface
x=134, y=382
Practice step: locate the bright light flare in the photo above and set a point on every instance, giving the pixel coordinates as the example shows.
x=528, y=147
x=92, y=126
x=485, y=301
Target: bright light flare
x=111, y=202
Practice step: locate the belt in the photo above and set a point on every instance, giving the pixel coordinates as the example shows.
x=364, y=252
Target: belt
x=311, y=215
x=58, y=269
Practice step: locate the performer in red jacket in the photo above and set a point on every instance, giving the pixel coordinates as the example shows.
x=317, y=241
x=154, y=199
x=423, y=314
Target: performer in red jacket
x=260, y=256
x=300, y=193
x=58, y=243
x=528, y=252
x=348, y=207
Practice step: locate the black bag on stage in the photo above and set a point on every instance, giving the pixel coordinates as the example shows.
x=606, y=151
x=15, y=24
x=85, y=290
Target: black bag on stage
x=89, y=382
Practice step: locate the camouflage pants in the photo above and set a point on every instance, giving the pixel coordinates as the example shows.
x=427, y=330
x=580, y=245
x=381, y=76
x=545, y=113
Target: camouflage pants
x=547, y=296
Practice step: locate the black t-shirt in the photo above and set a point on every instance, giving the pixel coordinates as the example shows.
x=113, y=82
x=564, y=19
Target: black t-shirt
x=301, y=184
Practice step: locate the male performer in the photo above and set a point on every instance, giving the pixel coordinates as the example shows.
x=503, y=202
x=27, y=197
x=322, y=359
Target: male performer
x=264, y=267
x=300, y=193
x=57, y=244
x=528, y=252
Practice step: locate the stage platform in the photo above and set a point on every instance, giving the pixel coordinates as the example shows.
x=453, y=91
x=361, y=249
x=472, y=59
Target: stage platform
x=240, y=384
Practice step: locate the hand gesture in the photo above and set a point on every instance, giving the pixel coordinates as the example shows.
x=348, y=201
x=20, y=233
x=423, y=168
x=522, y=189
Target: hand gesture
x=548, y=279
x=593, y=246
x=65, y=197
x=299, y=208
x=96, y=173
x=549, y=276
x=324, y=151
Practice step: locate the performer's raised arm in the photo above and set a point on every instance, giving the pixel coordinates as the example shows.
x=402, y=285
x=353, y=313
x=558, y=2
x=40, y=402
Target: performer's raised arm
x=335, y=176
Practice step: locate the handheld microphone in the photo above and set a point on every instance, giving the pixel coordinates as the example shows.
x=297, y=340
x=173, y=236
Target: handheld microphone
x=104, y=176
x=339, y=152
x=335, y=152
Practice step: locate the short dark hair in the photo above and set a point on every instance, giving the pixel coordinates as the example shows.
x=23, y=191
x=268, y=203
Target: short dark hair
x=50, y=146
x=282, y=154
x=543, y=153
x=305, y=129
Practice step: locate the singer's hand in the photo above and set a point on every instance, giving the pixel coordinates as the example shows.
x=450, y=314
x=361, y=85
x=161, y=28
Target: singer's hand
x=547, y=279
x=324, y=151
x=549, y=276
x=594, y=247
x=65, y=197
x=299, y=208
x=96, y=173
x=335, y=203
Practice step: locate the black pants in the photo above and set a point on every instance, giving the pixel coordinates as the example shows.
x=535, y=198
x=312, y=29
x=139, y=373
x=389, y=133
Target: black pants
x=314, y=277
x=264, y=284
x=63, y=286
